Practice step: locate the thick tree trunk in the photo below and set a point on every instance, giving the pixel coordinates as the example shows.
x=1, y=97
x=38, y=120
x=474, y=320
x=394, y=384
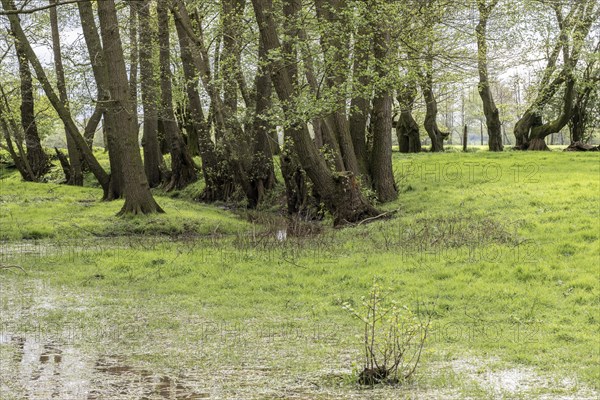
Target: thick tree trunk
x=150, y=96
x=138, y=198
x=76, y=173
x=182, y=165
x=36, y=158
x=340, y=193
x=492, y=116
x=381, y=154
x=407, y=129
x=62, y=112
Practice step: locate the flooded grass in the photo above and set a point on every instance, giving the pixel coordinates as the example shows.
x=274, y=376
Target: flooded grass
x=253, y=313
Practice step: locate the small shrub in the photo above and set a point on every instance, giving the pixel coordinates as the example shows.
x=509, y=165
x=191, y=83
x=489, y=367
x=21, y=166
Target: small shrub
x=393, y=338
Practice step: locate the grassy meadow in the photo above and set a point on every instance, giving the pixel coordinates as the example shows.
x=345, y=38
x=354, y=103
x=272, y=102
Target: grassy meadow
x=204, y=301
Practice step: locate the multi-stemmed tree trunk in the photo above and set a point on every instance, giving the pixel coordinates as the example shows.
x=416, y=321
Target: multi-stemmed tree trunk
x=75, y=170
x=120, y=113
x=63, y=113
x=381, y=152
x=492, y=115
x=36, y=158
x=218, y=181
x=335, y=41
x=407, y=129
x=340, y=192
x=183, y=171
x=150, y=96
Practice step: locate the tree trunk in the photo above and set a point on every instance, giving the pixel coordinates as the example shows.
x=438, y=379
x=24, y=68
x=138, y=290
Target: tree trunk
x=435, y=134
x=182, y=165
x=219, y=185
x=262, y=170
x=381, y=154
x=340, y=193
x=36, y=157
x=407, y=129
x=492, y=116
x=63, y=113
x=110, y=133
x=76, y=173
x=149, y=87
x=530, y=131
x=359, y=105
x=335, y=41
x=138, y=198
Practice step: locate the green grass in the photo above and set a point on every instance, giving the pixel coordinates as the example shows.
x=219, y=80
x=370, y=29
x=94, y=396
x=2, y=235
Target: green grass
x=502, y=248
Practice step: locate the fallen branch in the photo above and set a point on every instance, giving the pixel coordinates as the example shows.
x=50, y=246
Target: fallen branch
x=383, y=215
x=2, y=266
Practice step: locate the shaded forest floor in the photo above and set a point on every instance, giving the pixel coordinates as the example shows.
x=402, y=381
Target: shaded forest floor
x=200, y=303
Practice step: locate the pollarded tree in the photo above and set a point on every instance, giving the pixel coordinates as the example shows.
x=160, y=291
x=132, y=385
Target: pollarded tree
x=492, y=116
x=530, y=130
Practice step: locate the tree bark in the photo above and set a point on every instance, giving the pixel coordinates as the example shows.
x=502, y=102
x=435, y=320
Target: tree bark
x=492, y=116
x=340, y=193
x=182, y=165
x=138, y=198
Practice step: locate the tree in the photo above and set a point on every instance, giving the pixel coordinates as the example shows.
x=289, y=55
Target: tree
x=150, y=96
x=530, y=130
x=120, y=112
x=381, y=153
x=492, y=117
x=183, y=171
x=36, y=159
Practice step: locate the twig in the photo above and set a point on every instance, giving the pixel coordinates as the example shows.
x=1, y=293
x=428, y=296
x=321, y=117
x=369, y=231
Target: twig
x=2, y=266
x=377, y=217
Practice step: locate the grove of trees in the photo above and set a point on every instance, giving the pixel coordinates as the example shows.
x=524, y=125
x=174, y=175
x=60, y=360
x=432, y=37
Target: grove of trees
x=224, y=91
